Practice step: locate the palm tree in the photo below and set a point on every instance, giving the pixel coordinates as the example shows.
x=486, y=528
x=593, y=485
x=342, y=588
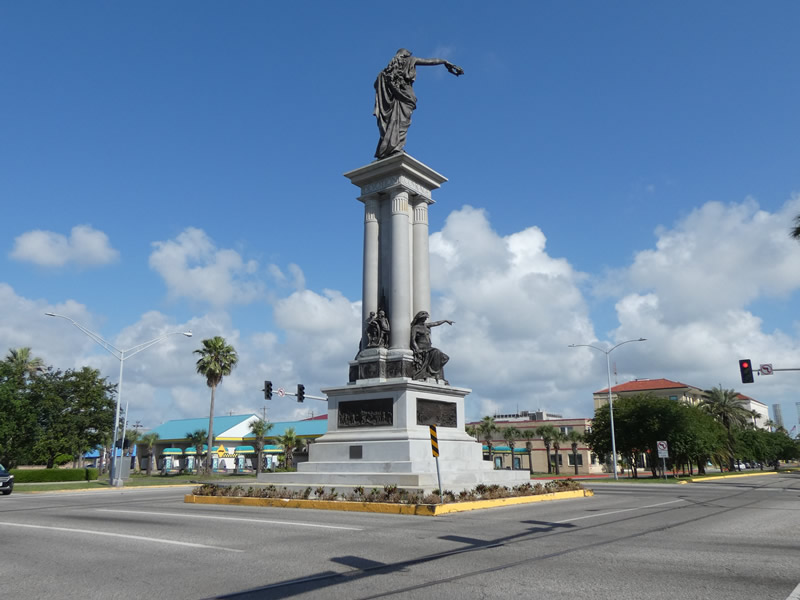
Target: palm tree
x=217, y=360
x=558, y=438
x=795, y=232
x=260, y=428
x=546, y=432
x=197, y=439
x=575, y=438
x=148, y=441
x=511, y=435
x=486, y=428
x=528, y=435
x=288, y=441
x=23, y=363
x=132, y=436
x=727, y=407
x=471, y=430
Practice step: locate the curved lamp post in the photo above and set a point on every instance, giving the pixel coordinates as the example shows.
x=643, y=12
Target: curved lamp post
x=610, y=402
x=120, y=355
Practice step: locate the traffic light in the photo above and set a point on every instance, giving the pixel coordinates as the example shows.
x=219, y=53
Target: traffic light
x=746, y=369
x=268, y=390
x=301, y=392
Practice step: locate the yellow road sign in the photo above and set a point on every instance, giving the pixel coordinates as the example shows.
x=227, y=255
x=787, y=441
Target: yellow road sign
x=434, y=442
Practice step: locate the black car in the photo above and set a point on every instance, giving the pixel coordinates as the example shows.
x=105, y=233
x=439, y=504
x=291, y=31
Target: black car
x=6, y=481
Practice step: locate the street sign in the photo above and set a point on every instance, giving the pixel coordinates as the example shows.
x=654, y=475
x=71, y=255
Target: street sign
x=663, y=450
x=281, y=392
x=765, y=369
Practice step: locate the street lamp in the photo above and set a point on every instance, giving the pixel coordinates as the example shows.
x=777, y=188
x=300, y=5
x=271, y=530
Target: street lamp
x=120, y=355
x=610, y=401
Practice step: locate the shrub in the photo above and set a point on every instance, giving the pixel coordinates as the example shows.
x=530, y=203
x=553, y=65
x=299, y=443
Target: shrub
x=51, y=475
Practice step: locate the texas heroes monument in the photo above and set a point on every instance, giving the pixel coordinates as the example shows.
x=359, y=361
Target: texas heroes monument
x=378, y=423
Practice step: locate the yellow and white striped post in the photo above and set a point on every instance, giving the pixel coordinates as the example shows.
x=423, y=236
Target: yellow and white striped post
x=435, y=452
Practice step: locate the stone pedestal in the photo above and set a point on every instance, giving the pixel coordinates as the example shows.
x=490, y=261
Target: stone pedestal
x=378, y=434
x=378, y=424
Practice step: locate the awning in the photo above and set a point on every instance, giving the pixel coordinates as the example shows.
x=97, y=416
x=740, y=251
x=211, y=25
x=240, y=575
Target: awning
x=244, y=450
x=172, y=451
x=192, y=450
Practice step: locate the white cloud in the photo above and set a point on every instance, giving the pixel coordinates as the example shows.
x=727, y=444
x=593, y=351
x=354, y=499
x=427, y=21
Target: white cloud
x=84, y=247
x=719, y=257
x=194, y=268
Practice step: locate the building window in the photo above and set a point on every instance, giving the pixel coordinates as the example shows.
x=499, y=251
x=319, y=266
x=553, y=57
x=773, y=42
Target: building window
x=571, y=458
x=594, y=458
x=566, y=429
x=557, y=457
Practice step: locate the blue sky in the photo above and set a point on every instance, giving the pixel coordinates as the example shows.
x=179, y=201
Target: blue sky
x=616, y=170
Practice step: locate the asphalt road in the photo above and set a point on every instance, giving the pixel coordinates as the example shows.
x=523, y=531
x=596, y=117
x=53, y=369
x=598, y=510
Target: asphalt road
x=735, y=539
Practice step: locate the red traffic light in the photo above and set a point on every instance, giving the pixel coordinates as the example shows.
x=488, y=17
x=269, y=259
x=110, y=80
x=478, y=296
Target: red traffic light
x=746, y=370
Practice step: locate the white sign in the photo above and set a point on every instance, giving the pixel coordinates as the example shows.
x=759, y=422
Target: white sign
x=766, y=369
x=663, y=450
x=281, y=392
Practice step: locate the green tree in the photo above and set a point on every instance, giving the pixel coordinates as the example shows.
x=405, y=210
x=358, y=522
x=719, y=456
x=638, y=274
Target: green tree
x=727, y=407
x=288, y=441
x=217, y=360
x=148, y=442
x=486, y=429
x=574, y=438
x=471, y=430
x=197, y=438
x=511, y=435
x=547, y=433
x=529, y=435
x=260, y=428
x=73, y=410
x=17, y=418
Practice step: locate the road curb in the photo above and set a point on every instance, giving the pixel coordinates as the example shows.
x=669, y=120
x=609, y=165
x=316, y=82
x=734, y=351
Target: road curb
x=692, y=480
x=422, y=510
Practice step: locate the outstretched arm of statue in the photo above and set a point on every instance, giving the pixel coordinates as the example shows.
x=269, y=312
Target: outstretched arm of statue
x=437, y=323
x=454, y=69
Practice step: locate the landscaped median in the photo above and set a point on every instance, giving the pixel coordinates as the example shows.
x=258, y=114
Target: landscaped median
x=389, y=500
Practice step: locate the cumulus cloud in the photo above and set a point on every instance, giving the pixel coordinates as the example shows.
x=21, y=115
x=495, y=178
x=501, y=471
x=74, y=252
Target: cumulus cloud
x=719, y=257
x=696, y=294
x=194, y=268
x=85, y=247
x=516, y=310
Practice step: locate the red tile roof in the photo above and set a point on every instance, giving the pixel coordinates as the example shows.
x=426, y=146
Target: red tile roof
x=645, y=385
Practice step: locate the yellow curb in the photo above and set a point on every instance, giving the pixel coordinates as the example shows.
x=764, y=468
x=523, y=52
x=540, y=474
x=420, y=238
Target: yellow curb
x=732, y=476
x=425, y=510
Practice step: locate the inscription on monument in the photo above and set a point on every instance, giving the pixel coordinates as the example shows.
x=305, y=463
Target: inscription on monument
x=434, y=412
x=366, y=413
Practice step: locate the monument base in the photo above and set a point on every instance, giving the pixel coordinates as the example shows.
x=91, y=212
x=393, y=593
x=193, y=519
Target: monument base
x=379, y=434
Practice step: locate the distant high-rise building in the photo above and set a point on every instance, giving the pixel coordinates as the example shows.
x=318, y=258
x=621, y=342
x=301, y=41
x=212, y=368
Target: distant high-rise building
x=776, y=411
x=797, y=406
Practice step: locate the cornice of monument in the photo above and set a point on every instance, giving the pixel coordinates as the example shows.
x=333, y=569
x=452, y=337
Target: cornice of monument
x=399, y=170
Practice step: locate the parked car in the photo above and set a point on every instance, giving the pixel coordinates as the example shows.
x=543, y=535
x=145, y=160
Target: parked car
x=6, y=481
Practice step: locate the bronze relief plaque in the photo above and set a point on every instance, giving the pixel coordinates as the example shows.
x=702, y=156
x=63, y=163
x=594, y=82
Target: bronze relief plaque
x=366, y=413
x=435, y=412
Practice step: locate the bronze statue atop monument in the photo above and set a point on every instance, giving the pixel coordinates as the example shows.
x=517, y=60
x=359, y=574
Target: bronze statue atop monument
x=395, y=99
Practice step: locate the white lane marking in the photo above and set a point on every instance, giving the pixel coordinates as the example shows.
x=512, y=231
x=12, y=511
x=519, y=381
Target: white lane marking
x=163, y=514
x=614, y=512
x=121, y=535
x=795, y=595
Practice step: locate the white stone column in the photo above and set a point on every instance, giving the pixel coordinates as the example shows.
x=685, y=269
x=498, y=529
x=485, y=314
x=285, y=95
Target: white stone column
x=421, y=270
x=400, y=292
x=369, y=287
